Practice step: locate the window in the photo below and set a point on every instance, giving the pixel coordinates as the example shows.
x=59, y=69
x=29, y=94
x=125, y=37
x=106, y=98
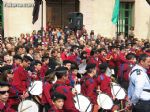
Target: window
x=125, y=17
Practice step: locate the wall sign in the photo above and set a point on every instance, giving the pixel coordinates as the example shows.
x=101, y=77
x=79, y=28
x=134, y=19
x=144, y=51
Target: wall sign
x=18, y=5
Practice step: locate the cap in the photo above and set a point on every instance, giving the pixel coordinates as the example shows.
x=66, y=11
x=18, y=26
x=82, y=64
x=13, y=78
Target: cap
x=4, y=68
x=57, y=96
x=61, y=71
x=2, y=83
x=90, y=66
x=74, y=66
x=28, y=58
x=17, y=57
x=66, y=62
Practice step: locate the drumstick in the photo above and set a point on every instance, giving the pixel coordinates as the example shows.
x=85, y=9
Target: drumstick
x=24, y=94
x=118, y=92
x=121, y=110
x=26, y=108
x=112, y=88
x=88, y=107
x=78, y=100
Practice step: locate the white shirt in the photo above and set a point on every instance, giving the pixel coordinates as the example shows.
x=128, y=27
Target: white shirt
x=139, y=80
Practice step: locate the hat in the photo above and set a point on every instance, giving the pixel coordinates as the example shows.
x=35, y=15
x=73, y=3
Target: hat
x=66, y=62
x=61, y=71
x=74, y=66
x=57, y=96
x=103, y=67
x=4, y=68
x=27, y=58
x=17, y=57
x=49, y=71
x=4, y=83
x=90, y=66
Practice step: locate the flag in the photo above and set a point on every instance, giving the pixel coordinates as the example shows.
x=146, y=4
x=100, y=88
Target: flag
x=36, y=9
x=115, y=14
x=148, y=1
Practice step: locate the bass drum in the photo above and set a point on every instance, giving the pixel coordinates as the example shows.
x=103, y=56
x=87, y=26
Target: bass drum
x=105, y=101
x=28, y=106
x=82, y=103
x=118, y=91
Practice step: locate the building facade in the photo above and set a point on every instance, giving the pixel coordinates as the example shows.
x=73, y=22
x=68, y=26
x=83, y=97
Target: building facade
x=16, y=16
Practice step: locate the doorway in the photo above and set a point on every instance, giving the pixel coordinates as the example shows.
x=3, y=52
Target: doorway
x=57, y=11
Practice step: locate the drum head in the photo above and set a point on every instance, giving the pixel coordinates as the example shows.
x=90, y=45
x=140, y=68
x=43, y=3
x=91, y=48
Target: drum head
x=105, y=101
x=118, y=91
x=36, y=88
x=78, y=88
x=84, y=104
x=82, y=68
x=28, y=106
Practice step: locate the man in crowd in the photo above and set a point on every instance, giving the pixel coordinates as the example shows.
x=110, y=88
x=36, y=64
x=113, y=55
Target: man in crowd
x=139, y=86
x=4, y=95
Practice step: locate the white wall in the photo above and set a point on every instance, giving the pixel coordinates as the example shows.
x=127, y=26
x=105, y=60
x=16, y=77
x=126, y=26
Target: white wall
x=19, y=19
x=142, y=19
x=97, y=16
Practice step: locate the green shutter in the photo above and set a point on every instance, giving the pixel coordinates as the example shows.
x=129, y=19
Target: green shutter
x=125, y=17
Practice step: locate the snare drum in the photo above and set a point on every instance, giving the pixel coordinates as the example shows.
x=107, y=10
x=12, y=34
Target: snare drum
x=118, y=91
x=28, y=106
x=36, y=88
x=104, y=101
x=82, y=103
x=78, y=88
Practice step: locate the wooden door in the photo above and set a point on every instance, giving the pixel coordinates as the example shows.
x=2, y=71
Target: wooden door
x=57, y=11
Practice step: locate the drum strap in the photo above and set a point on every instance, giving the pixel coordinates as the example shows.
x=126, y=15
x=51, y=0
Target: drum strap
x=122, y=71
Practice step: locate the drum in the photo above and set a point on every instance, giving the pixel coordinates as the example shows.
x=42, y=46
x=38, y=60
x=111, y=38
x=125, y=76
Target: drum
x=28, y=106
x=105, y=101
x=78, y=88
x=82, y=103
x=36, y=88
x=118, y=91
x=82, y=67
x=55, y=79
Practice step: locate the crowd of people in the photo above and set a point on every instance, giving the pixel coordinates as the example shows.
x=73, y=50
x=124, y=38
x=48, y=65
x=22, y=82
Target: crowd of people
x=69, y=64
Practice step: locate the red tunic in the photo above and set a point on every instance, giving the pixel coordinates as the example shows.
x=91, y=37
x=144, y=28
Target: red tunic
x=46, y=98
x=44, y=68
x=88, y=88
x=5, y=108
x=69, y=102
x=21, y=80
x=104, y=82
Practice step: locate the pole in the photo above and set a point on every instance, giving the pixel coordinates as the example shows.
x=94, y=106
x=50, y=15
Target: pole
x=117, y=31
x=42, y=28
x=61, y=13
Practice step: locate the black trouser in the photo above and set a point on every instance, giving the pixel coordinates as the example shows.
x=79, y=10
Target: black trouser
x=142, y=106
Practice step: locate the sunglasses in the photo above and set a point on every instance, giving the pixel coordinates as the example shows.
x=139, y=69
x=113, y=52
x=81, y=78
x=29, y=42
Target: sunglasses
x=4, y=92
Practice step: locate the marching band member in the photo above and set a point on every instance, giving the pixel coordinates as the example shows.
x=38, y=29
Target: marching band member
x=139, y=86
x=44, y=68
x=46, y=95
x=36, y=74
x=4, y=95
x=124, y=69
x=58, y=101
x=21, y=77
x=17, y=59
x=103, y=80
x=62, y=76
x=89, y=86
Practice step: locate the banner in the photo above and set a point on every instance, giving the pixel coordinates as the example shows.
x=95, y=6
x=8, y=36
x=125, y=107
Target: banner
x=115, y=14
x=36, y=9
